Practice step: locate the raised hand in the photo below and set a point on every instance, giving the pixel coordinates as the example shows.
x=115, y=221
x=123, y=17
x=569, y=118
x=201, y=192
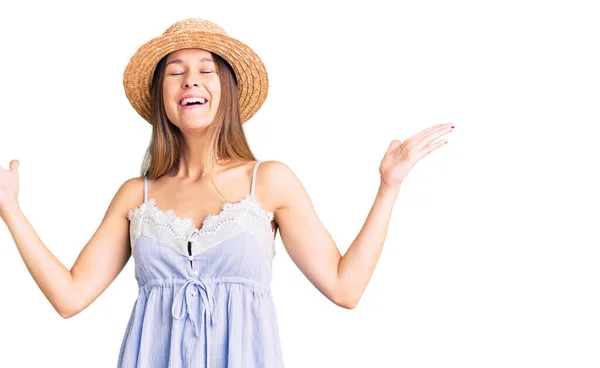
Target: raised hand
x=402, y=156
x=9, y=183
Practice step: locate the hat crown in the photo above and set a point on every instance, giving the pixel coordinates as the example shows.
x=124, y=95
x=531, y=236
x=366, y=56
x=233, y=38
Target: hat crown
x=250, y=73
x=195, y=25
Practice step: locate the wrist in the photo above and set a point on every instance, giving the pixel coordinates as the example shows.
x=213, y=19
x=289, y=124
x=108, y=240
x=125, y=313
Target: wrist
x=389, y=189
x=8, y=207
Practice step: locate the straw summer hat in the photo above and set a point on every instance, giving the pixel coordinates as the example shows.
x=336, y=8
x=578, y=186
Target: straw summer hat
x=251, y=75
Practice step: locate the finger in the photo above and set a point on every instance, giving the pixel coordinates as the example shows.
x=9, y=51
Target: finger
x=432, y=147
x=426, y=140
x=14, y=165
x=429, y=130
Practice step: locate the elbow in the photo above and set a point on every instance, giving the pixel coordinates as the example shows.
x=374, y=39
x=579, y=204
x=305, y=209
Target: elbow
x=348, y=304
x=66, y=315
x=346, y=297
x=69, y=303
x=67, y=312
x=345, y=301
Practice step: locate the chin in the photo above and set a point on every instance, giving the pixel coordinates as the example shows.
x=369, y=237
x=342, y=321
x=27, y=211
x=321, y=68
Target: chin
x=192, y=124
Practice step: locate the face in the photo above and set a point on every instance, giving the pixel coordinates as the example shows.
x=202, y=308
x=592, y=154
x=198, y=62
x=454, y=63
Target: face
x=191, y=88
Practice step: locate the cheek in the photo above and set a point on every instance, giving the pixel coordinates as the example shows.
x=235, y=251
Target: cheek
x=215, y=91
x=169, y=104
x=166, y=92
x=168, y=96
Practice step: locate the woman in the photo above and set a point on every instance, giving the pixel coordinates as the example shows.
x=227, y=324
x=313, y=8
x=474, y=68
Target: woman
x=203, y=237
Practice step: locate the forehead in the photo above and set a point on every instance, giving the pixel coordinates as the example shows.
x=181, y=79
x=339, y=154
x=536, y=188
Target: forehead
x=186, y=54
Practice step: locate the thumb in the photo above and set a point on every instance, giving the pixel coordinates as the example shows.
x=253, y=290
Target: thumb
x=395, y=144
x=14, y=166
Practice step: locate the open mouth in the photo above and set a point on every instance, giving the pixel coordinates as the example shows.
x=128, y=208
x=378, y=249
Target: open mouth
x=193, y=101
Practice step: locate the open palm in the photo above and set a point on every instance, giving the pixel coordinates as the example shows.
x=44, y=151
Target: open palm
x=401, y=156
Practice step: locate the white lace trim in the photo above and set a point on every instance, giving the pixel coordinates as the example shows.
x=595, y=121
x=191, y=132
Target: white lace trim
x=175, y=232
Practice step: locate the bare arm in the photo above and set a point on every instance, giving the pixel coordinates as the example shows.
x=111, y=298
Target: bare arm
x=98, y=264
x=343, y=279
x=358, y=264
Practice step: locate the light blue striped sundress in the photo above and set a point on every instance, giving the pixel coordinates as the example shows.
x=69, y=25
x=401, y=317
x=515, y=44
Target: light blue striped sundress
x=204, y=294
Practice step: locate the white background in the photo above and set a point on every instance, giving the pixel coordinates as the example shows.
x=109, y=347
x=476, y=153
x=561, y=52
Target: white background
x=491, y=259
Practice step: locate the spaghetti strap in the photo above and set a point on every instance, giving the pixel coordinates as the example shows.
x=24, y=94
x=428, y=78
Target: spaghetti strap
x=145, y=189
x=183, y=271
x=254, y=177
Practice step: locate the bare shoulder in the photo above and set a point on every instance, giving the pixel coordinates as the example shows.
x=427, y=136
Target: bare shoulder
x=129, y=195
x=281, y=183
x=108, y=250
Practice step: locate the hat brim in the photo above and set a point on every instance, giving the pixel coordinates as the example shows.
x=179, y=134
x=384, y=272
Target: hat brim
x=252, y=79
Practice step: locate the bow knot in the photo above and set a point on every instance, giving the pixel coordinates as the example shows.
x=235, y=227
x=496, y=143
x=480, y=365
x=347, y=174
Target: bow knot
x=186, y=301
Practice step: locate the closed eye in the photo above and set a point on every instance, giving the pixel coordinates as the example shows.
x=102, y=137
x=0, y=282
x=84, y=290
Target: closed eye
x=202, y=72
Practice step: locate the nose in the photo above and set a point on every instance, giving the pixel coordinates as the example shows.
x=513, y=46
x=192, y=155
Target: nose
x=191, y=80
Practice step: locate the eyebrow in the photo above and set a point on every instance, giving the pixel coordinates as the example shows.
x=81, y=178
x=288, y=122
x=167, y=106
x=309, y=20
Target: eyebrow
x=178, y=61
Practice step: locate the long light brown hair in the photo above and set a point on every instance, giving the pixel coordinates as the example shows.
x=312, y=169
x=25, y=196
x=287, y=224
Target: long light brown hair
x=226, y=139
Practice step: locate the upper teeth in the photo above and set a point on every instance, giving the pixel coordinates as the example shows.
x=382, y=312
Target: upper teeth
x=186, y=101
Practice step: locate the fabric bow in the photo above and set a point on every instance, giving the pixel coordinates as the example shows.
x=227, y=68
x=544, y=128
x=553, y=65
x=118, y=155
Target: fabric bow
x=185, y=302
